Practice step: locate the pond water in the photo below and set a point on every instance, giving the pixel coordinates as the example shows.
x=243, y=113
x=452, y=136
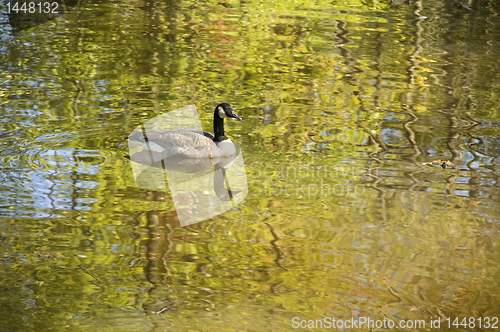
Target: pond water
x=371, y=146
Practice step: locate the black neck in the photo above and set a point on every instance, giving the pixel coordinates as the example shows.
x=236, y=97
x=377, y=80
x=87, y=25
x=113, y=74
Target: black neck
x=219, y=128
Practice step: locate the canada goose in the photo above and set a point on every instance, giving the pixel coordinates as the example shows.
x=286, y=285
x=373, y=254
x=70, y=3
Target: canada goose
x=189, y=143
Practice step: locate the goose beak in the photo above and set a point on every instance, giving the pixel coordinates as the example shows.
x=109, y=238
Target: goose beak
x=237, y=117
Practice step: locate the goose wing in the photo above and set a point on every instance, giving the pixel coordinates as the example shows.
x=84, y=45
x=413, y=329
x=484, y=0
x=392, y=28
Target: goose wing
x=178, y=142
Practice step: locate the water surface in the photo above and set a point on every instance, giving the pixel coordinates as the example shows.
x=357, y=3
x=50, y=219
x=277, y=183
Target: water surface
x=346, y=106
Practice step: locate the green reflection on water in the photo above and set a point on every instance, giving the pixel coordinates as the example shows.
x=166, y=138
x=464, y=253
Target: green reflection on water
x=341, y=104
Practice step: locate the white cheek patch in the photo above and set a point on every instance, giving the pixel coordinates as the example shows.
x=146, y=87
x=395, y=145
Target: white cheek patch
x=222, y=114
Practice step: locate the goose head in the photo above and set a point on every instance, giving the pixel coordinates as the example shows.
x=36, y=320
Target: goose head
x=225, y=110
x=222, y=111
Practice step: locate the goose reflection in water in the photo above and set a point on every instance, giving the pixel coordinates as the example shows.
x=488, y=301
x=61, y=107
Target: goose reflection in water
x=201, y=166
